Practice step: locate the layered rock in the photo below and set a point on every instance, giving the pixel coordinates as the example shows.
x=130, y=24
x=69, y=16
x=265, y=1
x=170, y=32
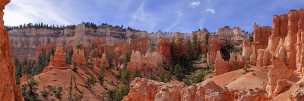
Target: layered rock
x=147, y=63
x=78, y=57
x=278, y=71
x=58, y=60
x=104, y=61
x=260, y=36
x=282, y=86
x=298, y=95
x=251, y=95
x=291, y=38
x=9, y=91
x=148, y=90
x=214, y=46
x=221, y=66
x=246, y=50
x=164, y=48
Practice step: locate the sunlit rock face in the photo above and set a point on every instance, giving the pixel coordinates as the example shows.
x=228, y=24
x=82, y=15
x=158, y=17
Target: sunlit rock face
x=148, y=63
x=231, y=35
x=214, y=46
x=202, y=38
x=221, y=66
x=78, y=57
x=260, y=36
x=251, y=95
x=246, y=50
x=164, y=48
x=149, y=90
x=9, y=91
x=58, y=60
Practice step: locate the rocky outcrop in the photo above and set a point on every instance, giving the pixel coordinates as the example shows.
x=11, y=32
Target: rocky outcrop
x=58, y=60
x=104, y=61
x=9, y=91
x=164, y=47
x=221, y=66
x=282, y=86
x=246, y=50
x=298, y=95
x=214, y=46
x=149, y=90
x=260, y=36
x=78, y=57
x=147, y=63
x=251, y=95
x=143, y=90
x=278, y=71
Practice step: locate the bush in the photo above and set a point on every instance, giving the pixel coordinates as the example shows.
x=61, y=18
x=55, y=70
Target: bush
x=56, y=91
x=196, y=77
x=29, y=91
x=165, y=77
x=44, y=93
x=90, y=81
x=118, y=93
x=101, y=75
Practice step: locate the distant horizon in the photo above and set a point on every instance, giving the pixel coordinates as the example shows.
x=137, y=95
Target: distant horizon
x=151, y=16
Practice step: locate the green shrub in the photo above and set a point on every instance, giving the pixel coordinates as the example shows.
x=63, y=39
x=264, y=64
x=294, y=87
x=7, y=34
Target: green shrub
x=90, y=81
x=44, y=93
x=118, y=93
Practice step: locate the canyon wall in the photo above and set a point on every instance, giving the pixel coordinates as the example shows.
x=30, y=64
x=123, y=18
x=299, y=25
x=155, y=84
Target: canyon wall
x=275, y=70
x=9, y=91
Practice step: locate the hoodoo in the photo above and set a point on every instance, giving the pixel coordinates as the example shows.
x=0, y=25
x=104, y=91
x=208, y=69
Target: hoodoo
x=9, y=91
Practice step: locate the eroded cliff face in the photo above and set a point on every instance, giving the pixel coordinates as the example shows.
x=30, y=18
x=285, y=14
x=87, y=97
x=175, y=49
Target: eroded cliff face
x=149, y=90
x=9, y=91
x=275, y=69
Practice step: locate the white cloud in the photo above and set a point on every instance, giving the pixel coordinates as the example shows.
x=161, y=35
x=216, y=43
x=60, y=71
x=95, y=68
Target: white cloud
x=210, y=10
x=143, y=19
x=195, y=4
x=25, y=11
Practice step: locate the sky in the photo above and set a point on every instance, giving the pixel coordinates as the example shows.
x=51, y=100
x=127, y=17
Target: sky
x=150, y=15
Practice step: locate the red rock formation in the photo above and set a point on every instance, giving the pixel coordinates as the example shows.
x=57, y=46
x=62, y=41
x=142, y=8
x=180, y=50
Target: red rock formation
x=278, y=71
x=135, y=63
x=279, y=25
x=291, y=38
x=164, y=47
x=78, y=57
x=202, y=39
x=253, y=57
x=282, y=86
x=221, y=66
x=140, y=44
x=9, y=91
x=58, y=60
x=246, y=50
x=148, y=90
x=259, y=59
x=104, y=61
x=214, y=46
x=143, y=90
x=260, y=36
x=172, y=91
x=298, y=95
x=149, y=63
x=251, y=95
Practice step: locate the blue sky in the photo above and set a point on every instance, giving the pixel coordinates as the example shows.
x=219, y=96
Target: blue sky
x=150, y=15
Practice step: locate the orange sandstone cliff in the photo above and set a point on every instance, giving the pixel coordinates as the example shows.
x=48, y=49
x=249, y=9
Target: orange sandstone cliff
x=9, y=91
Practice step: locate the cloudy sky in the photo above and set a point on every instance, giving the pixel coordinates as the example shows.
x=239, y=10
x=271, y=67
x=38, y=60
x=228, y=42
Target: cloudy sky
x=150, y=15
